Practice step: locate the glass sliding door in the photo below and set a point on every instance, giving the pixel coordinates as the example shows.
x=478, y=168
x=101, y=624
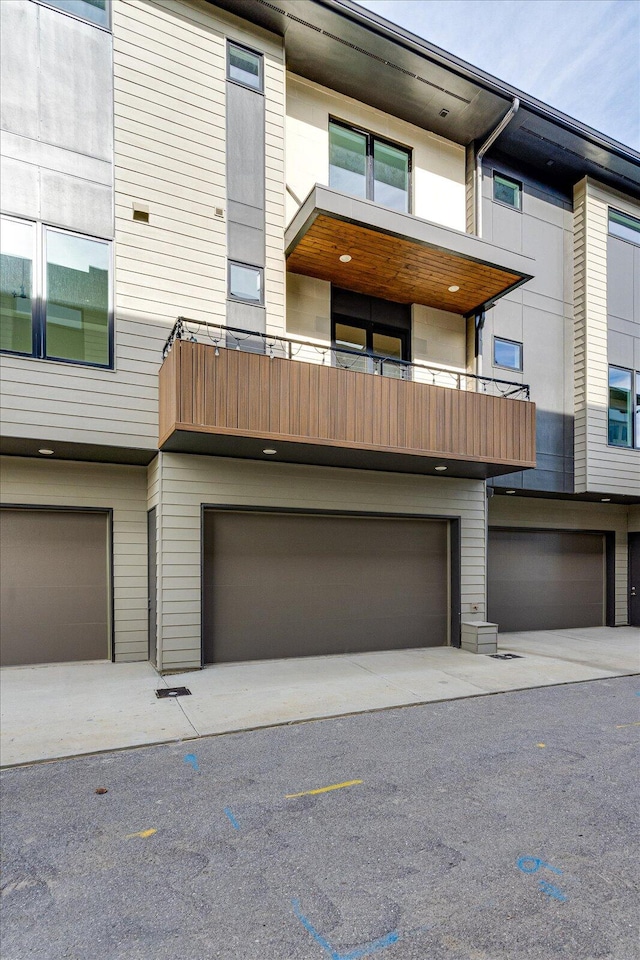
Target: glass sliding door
x=391, y=176
x=347, y=160
x=364, y=165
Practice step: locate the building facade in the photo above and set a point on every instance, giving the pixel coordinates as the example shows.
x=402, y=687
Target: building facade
x=314, y=339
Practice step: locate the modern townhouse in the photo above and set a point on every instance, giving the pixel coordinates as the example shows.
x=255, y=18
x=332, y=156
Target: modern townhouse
x=314, y=339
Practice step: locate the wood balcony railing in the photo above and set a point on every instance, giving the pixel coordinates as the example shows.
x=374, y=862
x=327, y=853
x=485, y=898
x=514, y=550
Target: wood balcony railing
x=233, y=402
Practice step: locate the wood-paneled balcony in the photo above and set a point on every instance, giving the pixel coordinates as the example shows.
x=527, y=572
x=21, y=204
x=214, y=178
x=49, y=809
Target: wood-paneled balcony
x=238, y=393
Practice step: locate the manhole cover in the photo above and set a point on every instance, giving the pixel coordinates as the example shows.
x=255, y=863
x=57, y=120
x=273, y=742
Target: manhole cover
x=506, y=656
x=172, y=692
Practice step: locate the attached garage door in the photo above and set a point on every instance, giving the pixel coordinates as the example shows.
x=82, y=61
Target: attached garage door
x=546, y=580
x=291, y=585
x=54, y=586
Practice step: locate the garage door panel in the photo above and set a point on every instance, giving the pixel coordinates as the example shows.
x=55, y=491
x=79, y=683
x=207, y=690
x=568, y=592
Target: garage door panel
x=301, y=585
x=539, y=580
x=54, y=580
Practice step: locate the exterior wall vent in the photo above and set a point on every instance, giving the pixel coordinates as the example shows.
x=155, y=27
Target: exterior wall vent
x=141, y=212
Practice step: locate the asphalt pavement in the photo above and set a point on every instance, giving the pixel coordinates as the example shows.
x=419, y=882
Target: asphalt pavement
x=491, y=828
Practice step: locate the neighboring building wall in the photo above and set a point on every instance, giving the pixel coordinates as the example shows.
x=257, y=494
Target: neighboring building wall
x=570, y=515
x=170, y=79
x=438, y=179
x=600, y=467
x=540, y=316
x=57, y=119
x=57, y=167
x=59, y=483
x=189, y=481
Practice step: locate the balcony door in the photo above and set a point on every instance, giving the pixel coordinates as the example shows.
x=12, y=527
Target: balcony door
x=370, y=335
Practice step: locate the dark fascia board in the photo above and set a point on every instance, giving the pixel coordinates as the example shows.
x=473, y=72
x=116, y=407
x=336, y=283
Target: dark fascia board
x=579, y=150
x=72, y=450
x=365, y=213
x=371, y=20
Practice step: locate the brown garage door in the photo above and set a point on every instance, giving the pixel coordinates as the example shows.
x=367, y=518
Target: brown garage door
x=291, y=585
x=54, y=586
x=546, y=579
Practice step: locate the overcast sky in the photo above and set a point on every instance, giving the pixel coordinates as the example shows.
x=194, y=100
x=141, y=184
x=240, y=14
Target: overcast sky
x=580, y=56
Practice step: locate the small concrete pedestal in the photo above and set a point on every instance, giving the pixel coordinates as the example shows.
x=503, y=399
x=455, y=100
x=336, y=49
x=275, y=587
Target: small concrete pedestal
x=478, y=636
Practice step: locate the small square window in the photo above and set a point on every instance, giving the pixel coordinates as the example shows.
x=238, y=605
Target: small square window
x=507, y=191
x=507, y=353
x=245, y=282
x=245, y=67
x=623, y=226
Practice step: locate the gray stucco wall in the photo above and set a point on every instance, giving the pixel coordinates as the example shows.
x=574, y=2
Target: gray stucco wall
x=540, y=316
x=57, y=118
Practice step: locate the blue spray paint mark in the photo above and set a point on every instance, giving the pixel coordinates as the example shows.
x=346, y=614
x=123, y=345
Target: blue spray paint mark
x=551, y=891
x=232, y=819
x=363, y=951
x=537, y=863
x=193, y=760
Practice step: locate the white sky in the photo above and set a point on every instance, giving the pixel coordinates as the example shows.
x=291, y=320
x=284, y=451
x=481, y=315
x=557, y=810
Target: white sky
x=580, y=56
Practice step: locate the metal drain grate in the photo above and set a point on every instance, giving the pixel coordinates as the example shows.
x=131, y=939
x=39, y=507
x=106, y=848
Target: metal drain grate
x=172, y=692
x=506, y=656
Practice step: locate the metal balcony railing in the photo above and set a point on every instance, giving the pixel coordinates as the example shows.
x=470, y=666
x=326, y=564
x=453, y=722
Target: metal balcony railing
x=288, y=348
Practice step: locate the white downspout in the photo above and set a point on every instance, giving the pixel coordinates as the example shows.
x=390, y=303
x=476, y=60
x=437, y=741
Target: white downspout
x=506, y=120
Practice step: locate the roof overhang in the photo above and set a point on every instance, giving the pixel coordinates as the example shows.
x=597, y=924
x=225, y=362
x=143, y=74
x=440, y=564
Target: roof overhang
x=344, y=46
x=397, y=256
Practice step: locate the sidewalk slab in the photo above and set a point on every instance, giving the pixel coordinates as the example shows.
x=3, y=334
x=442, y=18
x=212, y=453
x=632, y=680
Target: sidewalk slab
x=61, y=710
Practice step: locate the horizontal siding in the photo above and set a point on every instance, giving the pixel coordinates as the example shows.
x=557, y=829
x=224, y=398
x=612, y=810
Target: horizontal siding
x=170, y=135
x=568, y=515
x=123, y=489
x=190, y=481
x=599, y=467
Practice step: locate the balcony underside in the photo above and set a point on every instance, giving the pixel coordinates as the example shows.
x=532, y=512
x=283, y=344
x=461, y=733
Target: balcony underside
x=237, y=404
x=397, y=256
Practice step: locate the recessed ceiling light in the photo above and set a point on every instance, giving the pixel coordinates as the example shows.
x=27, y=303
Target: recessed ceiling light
x=605, y=499
x=440, y=468
x=453, y=289
x=269, y=451
x=509, y=491
x=45, y=451
x=345, y=258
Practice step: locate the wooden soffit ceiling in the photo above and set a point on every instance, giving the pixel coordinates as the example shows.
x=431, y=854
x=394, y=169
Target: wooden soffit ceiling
x=402, y=268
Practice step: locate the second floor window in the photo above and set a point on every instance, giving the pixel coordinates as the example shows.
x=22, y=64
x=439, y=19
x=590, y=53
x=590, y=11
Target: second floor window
x=367, y=166
x=55, y=294
x=624, y=407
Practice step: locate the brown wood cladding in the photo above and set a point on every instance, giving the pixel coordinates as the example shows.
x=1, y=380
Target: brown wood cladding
x=393, y=268
x=250, y=395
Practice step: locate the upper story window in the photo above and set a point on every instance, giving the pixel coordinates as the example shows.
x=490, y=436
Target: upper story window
x=95, y=11
x=507, y=353
x=507, y=191
x=367, y=166
x=55, y=294
x=624, y=407
x=245, y=282
x=623, y=226
x=244, y=66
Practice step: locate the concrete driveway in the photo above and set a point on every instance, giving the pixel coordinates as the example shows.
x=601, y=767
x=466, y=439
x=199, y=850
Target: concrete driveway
x=63, y=710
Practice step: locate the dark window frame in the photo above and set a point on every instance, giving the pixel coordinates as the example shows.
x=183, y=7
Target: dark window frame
x=512, y=181
x=248, y=266
x=517, y=343
x=371, y=139
x=255, y=53
x=634, y=431
x=39, y=300
x=371, y=327
x=107, y=27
